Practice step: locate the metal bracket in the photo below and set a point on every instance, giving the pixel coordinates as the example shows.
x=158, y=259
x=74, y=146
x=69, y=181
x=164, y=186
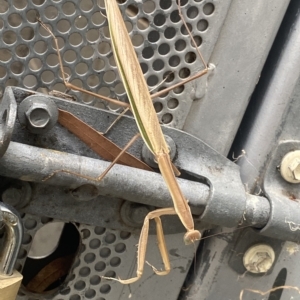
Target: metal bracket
x=8, y=112
x=212, y=182
x=284, y=221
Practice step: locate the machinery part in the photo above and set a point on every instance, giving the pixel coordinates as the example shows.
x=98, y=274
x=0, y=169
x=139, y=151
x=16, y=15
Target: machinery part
x=28, y=162
x=259, y=258
x=282, y=196
x=241, y=11
x=209, y=167
x=257, y=209
x=17, y=194
x=134, y=214
x=220, y=174
x=290, y=167
x=10, y=280
x=158, y=59
x=37, y=114
x=8, y=112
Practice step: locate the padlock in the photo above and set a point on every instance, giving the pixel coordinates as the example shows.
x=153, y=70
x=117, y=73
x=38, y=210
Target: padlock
x=10, y=279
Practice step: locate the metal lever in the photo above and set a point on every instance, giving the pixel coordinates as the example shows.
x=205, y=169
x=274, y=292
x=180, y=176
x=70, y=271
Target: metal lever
x=10, y=279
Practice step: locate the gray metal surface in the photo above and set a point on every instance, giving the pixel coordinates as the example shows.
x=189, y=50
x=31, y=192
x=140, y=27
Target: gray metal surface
x=216, y=123
x=222, y=175
x=37, y=115
x=143, y=187
x=241, y=50
x=272, y=119
x=8, y=112
x=193, y=157
x=106, y=252
x=56, y=203
x=161, y=43
x=273, y=103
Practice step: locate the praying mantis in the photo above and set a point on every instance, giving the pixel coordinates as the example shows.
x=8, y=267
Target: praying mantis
x=150, y=130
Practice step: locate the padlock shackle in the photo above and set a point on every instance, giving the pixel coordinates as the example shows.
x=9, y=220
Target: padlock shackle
x=14, y=235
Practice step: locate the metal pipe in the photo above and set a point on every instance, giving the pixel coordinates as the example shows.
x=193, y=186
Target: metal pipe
x=30, y=163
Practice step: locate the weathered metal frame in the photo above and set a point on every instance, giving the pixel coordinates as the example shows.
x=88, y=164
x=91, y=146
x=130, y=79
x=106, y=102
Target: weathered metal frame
x=227, y=117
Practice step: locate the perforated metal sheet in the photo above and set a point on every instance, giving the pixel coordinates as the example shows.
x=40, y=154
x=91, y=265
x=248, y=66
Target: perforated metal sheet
x=105, y=252
x=102, y=252
x=28, y=59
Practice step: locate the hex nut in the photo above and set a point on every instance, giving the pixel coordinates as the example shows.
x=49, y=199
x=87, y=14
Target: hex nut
x=259, y=258
x=290, y=167
x=38, y=113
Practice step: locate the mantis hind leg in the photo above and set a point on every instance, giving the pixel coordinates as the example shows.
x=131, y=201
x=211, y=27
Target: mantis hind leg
x=142, y=246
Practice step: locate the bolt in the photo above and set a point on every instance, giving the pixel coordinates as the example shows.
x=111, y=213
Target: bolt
x=18, y=194
x=149, y=158
x=290, y=167
x=133, y=214
x=295, y=169
x=38, y=113
x=259, y=258
x=138, y=214
x=10, y=218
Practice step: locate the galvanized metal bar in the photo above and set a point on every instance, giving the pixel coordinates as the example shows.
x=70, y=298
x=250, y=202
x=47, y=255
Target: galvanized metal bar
x=271, y=101
x=35, y=164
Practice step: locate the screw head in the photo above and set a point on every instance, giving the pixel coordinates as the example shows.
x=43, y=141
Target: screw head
x=38, y=112
x=133, y=214
x=38, y=115
x=259, y=258
x=18, y=194
x=290, y=167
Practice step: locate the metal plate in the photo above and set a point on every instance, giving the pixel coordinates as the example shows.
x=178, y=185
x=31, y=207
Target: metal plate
x=161, y=42
x=28, y=59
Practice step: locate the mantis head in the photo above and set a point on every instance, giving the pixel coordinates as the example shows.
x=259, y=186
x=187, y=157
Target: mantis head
x=191, y=236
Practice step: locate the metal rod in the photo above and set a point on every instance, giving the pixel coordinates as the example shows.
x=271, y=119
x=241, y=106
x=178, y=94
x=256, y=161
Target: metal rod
x=30, y=163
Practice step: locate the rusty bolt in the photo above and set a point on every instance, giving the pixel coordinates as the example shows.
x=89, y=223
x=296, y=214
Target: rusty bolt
x=290, y=167
x=259, y=258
